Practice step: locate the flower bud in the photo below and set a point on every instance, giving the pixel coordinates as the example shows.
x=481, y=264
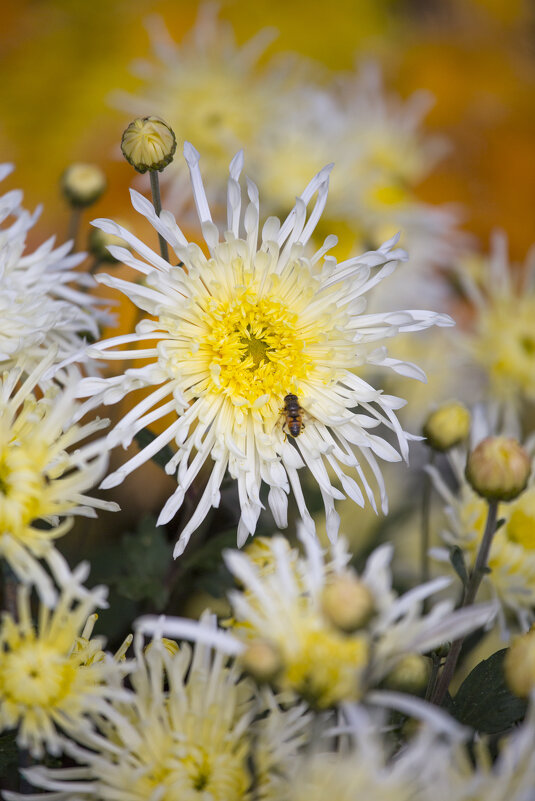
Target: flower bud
x=83, y=184
x=98, y=244
x=148, y=144
x=347, y=603
x=410, y=675
x=447, y=426
x=519, y=664
x=262, y=661
x=498, y=469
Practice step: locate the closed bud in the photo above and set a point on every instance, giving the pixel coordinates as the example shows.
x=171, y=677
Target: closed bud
x=148, y=144
x=498, y=469
x=410, y=675
x=519, y=664
x=347, y=603
x=83, y=184
x=447, y=426
x=262, y=661
x=99, y=242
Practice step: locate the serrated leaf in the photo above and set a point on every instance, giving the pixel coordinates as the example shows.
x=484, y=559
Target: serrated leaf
x=144, y=438
x=458, y=563
x=484, y=700
x=147, y=557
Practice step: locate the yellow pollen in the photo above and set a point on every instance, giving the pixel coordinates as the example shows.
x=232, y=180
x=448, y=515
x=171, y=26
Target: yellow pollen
x=36, y=675
x=254, y=347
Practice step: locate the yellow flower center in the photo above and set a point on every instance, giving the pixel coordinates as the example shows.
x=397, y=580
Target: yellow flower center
x=252, y=348
x=520, y=527
x=324, y=666
x=21, y=488
x=505, y=344
x=36, y=675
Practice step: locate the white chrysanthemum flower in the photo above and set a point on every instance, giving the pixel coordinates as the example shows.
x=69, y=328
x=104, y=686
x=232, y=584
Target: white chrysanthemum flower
x=382, y=154
x=44, y=471
x=208, y=90
x=501, y=337
x=368, y=764
x=511, y=580
x=480, y=776
x=47, y=683
x=43, y=302
x=284, y=604
x=192, y=729
x=231, y=335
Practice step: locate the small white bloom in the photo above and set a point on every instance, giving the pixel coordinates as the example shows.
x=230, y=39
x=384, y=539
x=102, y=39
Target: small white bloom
x=44, y=304
x=44, y=471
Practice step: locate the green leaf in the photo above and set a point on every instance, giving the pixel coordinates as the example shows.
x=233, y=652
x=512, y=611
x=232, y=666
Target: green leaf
x=457, y=560
x=147, y=557
x=144, y=438
x=9, y=753
x=484, y=700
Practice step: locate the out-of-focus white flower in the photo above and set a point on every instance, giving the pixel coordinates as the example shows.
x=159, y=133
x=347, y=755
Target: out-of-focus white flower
x=283, y=606
x=511, y=580
x=43, y=304
x=47, y=685
x=233, y=334
x=192, y=728
x=209, y=91
x=500, y=340
x=44, y=472
x=478, y=776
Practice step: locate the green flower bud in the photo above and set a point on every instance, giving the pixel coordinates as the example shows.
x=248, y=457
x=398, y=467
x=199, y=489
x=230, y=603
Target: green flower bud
x=447, y=426
x=148, y=144
x=83, y=184
x=498, y=469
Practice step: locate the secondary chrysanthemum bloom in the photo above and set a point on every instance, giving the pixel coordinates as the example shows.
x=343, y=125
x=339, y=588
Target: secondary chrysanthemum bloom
x=320, y=658
x=501, y=338
x=44, y=471
x=511, y=580
x=232, y=334
x=208, y=90
x=368, y=767
x=47, y=685
x=382, y=153
x=478, y=775
x=44, y=304
x=187, y=731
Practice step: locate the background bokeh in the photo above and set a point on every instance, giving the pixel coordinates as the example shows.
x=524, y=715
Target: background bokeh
x=60, y=60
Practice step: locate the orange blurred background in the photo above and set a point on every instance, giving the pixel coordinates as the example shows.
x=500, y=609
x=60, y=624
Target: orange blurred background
x=60, y=60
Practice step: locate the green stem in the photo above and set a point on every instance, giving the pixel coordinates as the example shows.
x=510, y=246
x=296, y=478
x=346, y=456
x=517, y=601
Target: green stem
x=74, y=225
x=476, y=577
x=426, y=523
x=157, y=201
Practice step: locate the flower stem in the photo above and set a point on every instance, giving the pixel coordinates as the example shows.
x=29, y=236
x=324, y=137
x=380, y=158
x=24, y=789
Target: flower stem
x=156, y=199
x=480, y=568
x=426, y=523
x=74, y=225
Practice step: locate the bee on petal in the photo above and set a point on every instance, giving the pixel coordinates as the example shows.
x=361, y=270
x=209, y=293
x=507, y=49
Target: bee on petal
x=294, y=415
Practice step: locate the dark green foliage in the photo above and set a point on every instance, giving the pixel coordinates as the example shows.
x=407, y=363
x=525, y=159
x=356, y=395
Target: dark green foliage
x=458, y=563
x=484, y=701
x=147, y=556
x=144, y=438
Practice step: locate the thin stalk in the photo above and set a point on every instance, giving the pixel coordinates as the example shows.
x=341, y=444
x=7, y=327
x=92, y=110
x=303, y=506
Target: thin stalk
x=480, y=568
x=74, y=225
x=426, y=523
x=157, y=201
